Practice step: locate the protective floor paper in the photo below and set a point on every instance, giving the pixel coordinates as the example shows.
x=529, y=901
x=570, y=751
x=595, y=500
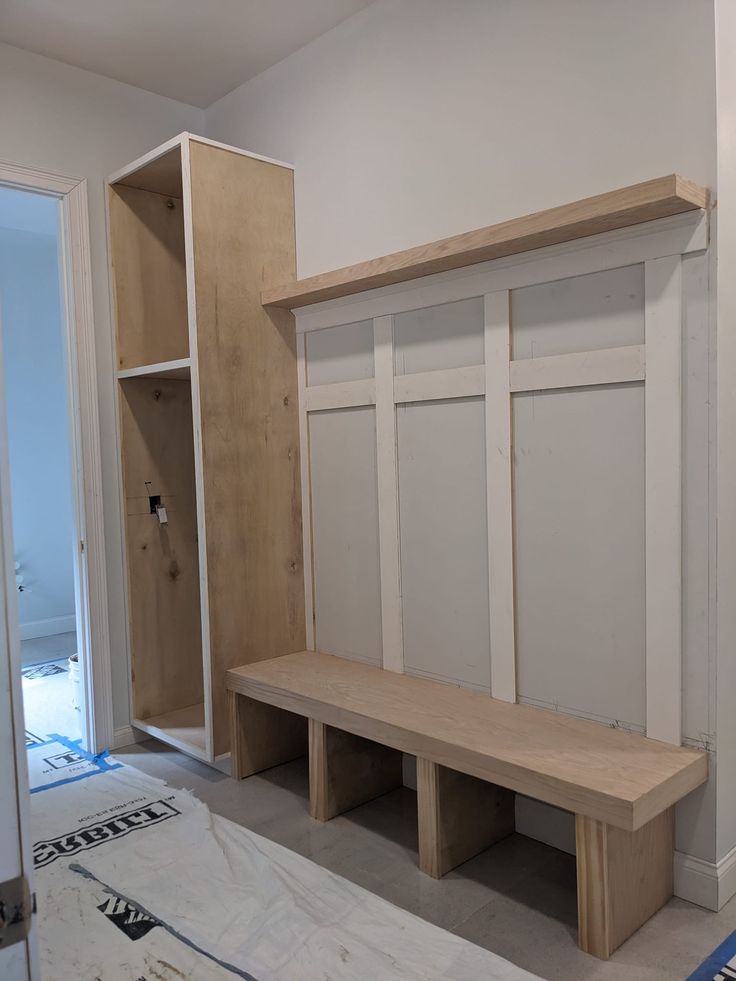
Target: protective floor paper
x=136, y=881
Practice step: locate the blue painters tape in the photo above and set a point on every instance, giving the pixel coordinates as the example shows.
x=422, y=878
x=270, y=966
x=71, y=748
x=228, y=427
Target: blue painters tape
x=99, y=762
x=718, y=959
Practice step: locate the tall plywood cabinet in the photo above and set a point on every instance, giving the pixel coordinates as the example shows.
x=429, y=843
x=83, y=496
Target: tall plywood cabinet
x=208, y=414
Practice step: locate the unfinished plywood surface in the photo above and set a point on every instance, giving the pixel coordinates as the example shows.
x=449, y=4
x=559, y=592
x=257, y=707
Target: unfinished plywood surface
x=459, y=816
x=443, y=539
x=162, y=175
x=347, y=598
x=579, y=550
x=346, y=770
x=340, y=354
x=262, y=736
x=621, y=778
x=583, y=313
x=433, y=338
x=183, y=728
x=163, y=567
x=148, y=276
x=651, y=199
x=243, y=234
x=623, y=879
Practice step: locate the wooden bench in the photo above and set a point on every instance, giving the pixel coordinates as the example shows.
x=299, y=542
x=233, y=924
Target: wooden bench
x=473, y=754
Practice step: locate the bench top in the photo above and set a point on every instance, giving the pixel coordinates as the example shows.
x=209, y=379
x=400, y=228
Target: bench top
x=619, y=777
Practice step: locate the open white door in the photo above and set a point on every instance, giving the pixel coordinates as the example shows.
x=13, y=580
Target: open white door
x=18, y=961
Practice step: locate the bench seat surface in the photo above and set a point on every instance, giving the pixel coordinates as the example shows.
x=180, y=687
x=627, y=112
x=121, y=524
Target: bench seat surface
x=622, y=778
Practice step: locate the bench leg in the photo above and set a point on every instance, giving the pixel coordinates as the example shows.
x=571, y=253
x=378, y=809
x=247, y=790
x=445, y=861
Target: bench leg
x=347, y=770
x=459, y=816
x=262, y=736
x=624, y=877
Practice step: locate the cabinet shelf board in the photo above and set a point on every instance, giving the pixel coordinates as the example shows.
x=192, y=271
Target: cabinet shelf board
x=180, y=368
x=183, y=729
x=658, y=198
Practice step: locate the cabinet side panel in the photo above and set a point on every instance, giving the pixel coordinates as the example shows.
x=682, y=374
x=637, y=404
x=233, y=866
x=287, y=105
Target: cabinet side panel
x=149, y=278
x=163, y=566
x=243, y=234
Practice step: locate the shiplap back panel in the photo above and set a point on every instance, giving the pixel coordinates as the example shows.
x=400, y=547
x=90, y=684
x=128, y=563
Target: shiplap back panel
x=446, y=336
x=579, y=550
x=339, y=354
x=581, y=313
x=443, y=538
x=347, y=604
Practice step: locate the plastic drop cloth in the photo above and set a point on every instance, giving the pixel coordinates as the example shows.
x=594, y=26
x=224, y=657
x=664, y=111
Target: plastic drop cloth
x=136, y=882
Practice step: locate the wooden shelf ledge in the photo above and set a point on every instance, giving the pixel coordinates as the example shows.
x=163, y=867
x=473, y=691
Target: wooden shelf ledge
x=658, y=198
x=181, y=369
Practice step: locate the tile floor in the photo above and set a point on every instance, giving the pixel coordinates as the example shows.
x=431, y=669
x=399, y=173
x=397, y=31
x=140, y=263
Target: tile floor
x=517, y=899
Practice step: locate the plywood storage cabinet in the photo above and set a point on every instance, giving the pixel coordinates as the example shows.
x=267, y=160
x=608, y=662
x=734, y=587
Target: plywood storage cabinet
x=207, y=389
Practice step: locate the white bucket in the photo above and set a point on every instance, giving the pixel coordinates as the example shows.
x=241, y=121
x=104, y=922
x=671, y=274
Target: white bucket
x=75, y=679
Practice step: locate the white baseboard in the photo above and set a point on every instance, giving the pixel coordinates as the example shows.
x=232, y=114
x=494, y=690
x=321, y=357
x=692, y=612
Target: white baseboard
x=48, y=627
x=708, y=884
x=127, y=736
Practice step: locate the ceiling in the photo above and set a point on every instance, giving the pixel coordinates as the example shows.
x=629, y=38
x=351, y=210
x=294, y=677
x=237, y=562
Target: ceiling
x=191, y=50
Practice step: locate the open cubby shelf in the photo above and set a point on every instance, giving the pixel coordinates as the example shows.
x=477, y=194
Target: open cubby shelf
x=181, y=369
x=183, y=728
x=195, y=230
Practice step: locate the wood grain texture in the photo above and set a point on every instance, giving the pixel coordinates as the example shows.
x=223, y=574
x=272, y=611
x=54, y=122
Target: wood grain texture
x=262, y=736
x=459, y=816
x=632, y=205
x=622, y=778
x=243, y=235
x=148, y=276
x=162, y=560
x=623, y=879
x=347, y=770
x=162, y=175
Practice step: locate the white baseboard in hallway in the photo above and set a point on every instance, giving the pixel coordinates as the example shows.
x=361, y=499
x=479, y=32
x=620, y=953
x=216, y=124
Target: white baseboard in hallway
x=48, y=627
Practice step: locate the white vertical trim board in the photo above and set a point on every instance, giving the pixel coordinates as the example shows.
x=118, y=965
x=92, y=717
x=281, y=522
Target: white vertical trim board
x=498, y=485
x=663, y=320
x=301, y=373
x=388, y=502
x=204, y=596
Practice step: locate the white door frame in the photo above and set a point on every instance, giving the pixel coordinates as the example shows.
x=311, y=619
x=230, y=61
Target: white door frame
x=92, y=607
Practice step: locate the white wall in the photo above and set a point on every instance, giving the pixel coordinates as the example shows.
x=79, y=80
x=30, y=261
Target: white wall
x=59, y=118
x=38, y=431
x=417, y=119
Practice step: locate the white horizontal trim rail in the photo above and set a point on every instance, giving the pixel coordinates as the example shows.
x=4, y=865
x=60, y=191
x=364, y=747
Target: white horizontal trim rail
x=611, y=250
x=604, y=367
x=584, y=368
x=340, y=395
x=450, y=383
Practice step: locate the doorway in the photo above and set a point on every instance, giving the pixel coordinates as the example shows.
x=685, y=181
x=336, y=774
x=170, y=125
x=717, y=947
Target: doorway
x=50, y=385
x=37, y=391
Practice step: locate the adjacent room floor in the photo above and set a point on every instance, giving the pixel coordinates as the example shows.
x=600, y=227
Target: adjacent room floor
x=47, y=687
x=518, y=899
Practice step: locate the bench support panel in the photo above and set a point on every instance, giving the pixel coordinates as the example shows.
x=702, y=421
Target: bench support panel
x=262, y=736
x=624, y=877
x=347, y=770
x=459, y=816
